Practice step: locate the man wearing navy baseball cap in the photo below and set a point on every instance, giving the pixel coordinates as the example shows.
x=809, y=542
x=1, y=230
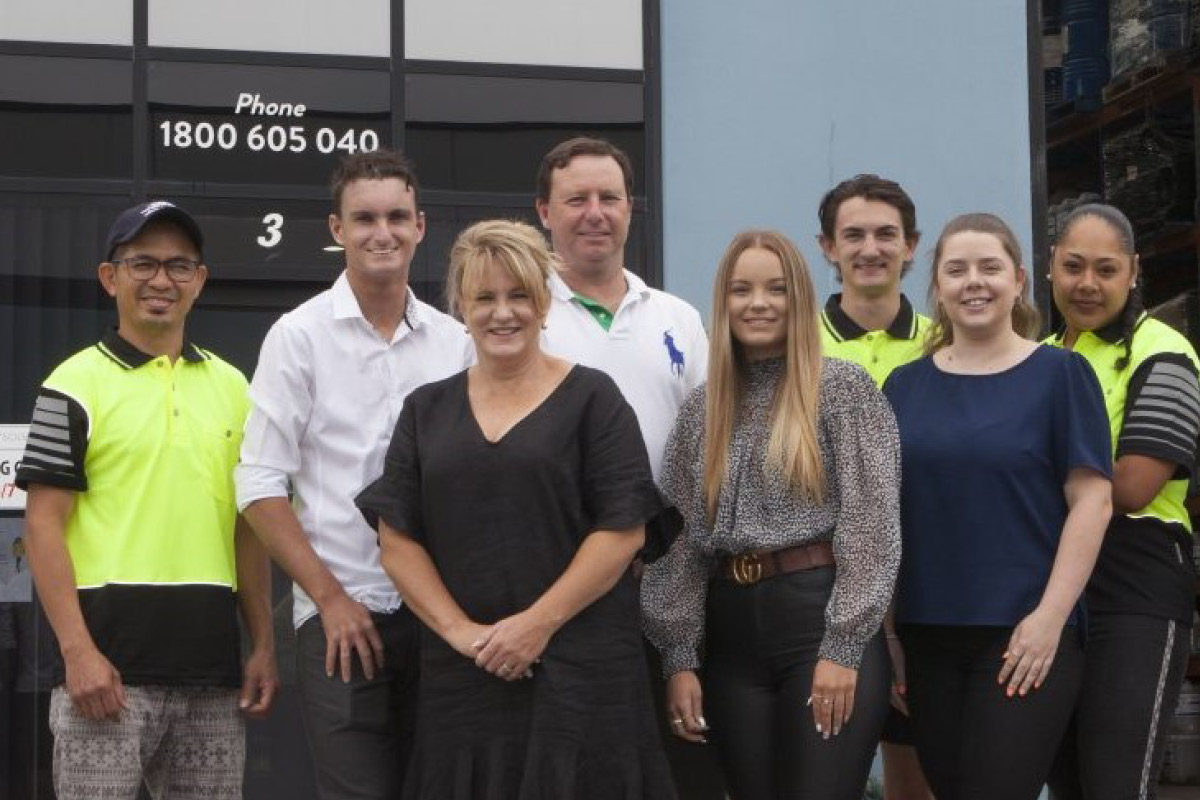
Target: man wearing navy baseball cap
x=137, y=552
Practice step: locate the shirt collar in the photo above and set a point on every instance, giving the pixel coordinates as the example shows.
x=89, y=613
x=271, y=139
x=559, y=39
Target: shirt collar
x=345, y=304
x=902, y=326
x=128, y=356
x=560, y=291
x=1112, y=333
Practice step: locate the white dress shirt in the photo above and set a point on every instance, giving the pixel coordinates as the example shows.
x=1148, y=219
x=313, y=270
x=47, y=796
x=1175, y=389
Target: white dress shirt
x=656, y=351
x=326, y=395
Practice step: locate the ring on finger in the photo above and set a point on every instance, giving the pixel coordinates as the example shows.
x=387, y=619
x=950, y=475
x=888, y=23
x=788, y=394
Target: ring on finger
x=676, y=722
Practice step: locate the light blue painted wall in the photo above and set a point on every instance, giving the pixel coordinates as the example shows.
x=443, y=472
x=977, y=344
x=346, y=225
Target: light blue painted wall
x=768, y=103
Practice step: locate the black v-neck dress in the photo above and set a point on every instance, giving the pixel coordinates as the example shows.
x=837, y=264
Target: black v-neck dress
x=502, y=521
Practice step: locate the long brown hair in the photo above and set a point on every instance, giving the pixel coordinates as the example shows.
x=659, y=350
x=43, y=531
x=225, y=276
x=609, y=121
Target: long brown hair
x=1025, y=317
x=793, y=447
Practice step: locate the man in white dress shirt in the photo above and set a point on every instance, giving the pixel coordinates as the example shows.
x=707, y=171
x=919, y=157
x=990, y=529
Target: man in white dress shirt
x=651, y=343
x=330, y=382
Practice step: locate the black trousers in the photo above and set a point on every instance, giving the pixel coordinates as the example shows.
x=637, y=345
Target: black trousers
x=1134, y=670
x=360, y=733
x=763, y=642
x=974, y=742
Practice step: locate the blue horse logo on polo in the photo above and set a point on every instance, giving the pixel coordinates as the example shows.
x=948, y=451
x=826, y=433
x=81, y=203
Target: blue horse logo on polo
x=674, y=353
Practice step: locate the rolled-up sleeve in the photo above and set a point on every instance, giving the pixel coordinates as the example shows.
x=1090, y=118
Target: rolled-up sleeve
x=866, y=537
x=281, y=401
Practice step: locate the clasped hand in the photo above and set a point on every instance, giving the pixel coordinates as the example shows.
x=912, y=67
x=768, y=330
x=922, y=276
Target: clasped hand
x=508, y=649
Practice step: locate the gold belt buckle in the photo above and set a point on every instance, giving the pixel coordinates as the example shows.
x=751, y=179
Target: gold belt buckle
x=747, y=569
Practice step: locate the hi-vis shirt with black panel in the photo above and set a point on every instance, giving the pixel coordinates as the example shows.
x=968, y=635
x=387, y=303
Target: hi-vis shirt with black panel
x=149, y=447
x=878, y=352
x=1153, y=410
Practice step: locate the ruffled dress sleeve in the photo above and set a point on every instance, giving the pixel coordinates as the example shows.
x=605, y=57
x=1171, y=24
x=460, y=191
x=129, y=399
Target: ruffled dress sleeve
x=395, y=496
x=618, y=487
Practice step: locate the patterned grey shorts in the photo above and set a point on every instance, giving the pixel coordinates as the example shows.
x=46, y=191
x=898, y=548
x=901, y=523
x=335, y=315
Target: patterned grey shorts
x=186, y=743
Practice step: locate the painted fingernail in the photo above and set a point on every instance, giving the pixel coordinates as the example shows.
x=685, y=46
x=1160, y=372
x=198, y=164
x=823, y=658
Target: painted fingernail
x=703, y=723
x=818, y=727
x=808, y=702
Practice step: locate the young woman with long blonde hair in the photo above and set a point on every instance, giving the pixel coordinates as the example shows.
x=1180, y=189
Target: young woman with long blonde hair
x=785, y=467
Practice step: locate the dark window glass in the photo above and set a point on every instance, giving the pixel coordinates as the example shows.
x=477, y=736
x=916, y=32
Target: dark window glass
x=65, y=117
x=233, y=123
x=273, y=240
x=474, y=133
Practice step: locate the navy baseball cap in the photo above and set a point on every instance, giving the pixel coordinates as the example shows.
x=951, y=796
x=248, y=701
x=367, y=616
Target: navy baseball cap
x=133, y=220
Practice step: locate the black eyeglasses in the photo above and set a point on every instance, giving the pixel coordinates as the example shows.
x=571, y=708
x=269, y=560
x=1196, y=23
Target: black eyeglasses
x=143, y=268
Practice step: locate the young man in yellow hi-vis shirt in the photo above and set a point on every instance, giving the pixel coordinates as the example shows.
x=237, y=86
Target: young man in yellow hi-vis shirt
x=869, y=235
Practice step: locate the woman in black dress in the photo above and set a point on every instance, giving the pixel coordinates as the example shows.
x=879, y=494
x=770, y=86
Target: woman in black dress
x=513, y=500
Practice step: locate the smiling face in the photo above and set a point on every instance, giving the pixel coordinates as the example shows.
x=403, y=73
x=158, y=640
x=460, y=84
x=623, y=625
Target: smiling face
x=155, y=307
x=1091, y=275
x=588, y=214
x=868, y=248
x=977, y=284
x=379, y=226
x=758, y=304
x=501, y=314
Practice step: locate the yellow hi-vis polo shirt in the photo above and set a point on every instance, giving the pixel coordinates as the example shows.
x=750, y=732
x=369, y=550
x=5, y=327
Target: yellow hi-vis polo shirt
x=1162, y=363
x=878, y=352
x=149, y=446
x=1153, y=404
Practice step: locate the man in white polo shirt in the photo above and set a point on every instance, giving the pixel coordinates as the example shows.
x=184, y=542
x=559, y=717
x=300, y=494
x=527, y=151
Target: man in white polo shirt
x=329, y=385
x=651, y=343
x=602, y=315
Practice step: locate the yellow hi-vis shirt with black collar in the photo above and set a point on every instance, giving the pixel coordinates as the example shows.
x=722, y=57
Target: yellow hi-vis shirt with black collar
x=149, y=448
x=878, y=352
x=1155, y=340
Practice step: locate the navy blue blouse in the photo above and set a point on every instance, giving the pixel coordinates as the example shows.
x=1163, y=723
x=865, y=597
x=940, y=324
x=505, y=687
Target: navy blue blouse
x=985, y=459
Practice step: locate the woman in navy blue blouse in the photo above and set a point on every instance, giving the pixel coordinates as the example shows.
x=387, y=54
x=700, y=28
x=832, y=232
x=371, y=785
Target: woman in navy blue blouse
x=1004, y=499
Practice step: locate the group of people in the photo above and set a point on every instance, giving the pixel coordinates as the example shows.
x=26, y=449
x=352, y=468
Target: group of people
x=831, y=524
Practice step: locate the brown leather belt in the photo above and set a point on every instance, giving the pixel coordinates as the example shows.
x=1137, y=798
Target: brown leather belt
x=748, y=568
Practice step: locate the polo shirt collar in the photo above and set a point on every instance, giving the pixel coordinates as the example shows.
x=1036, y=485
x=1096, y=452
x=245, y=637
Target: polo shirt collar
x=128, y=356
x=901, y=327
x=1110, y=333
x=345, y=304
x=560, y=291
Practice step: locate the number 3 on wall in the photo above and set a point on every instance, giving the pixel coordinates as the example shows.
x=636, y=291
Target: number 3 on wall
x=274, y=232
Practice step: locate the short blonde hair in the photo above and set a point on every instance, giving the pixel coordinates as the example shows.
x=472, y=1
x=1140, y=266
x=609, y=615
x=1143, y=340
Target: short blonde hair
x=517, y=246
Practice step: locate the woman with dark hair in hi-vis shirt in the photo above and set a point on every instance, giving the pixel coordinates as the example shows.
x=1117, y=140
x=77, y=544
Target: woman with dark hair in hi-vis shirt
x=1141, y=594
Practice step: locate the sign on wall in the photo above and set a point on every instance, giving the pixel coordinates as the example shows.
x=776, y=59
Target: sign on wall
x=12, y=447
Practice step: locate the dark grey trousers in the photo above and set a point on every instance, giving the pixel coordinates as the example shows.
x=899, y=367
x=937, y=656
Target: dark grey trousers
x=360, y=733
